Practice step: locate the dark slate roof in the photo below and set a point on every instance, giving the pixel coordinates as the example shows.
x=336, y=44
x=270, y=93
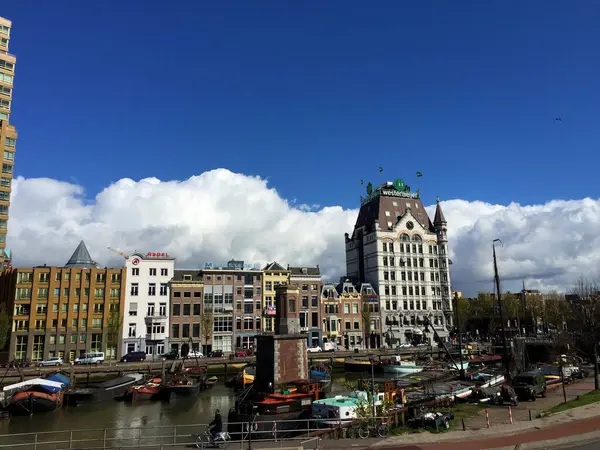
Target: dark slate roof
x=376, y=208
x=304, y=271
x=81, y=258
x=179, y=275
x=274, y=266
x=439, y=214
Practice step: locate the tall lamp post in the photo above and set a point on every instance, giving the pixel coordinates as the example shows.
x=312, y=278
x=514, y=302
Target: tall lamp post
x=499, y=293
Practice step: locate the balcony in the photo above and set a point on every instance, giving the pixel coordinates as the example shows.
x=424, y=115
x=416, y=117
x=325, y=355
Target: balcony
x=156, y=317
x=156, y=336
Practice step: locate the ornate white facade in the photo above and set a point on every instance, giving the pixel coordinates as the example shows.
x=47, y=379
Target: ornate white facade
x=147, y=303
x=404, y=256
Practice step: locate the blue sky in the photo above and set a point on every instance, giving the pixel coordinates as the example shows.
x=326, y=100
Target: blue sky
x=313, y=95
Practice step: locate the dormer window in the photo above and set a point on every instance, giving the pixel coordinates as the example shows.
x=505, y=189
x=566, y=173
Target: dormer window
x=304, y=271
x=187, y=277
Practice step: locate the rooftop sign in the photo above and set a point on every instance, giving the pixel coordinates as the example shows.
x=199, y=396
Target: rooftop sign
x=232, y=265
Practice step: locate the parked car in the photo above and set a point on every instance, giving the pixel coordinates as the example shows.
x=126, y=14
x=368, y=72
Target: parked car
x=315, y=349
x=529, y=385
x=242, y=352
x=90, y=358
x=216, y=354
x=194, y=354
x=56, y=361
x=134, y=357
x=330, y=347
x=173, y=354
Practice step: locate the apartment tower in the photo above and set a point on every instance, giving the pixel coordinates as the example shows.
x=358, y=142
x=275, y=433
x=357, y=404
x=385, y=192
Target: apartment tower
x=8, y=134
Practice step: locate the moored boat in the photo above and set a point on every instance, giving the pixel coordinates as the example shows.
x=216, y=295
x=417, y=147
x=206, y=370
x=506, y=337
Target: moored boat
x=285, y=409
x=152, y=390
x=183, y=387
x=357, y=365
x=397, y=365
x=98, y=392
x=36, y=396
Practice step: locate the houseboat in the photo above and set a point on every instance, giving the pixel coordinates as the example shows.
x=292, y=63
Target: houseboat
x=36, y=396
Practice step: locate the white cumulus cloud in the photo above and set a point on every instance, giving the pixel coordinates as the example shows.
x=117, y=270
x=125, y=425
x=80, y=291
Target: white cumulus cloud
x=221, y=215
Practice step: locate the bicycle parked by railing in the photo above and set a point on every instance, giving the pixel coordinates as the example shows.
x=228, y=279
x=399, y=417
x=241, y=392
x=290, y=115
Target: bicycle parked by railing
x=380, y=429
x=205, y=440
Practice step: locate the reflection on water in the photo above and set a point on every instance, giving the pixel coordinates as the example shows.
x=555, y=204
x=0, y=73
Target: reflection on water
x=181, y=411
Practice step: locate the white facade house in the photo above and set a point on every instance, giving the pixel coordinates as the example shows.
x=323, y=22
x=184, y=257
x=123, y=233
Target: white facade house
x=404, y=256
x=147, y=305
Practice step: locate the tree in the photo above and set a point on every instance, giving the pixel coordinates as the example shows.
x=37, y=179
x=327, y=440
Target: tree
x=5, y=326
x=113, y=333
x=206, y=326
x=366, y=319
x=464, y=312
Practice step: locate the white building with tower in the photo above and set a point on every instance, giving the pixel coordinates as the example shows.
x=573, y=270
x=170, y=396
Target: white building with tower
x=147, y=306
x=404, y=255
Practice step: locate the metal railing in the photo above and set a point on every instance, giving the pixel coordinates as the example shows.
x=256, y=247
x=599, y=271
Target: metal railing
x=265, y=434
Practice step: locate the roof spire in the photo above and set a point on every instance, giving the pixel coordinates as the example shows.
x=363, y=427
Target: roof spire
x=81, y=258
x=439, y=215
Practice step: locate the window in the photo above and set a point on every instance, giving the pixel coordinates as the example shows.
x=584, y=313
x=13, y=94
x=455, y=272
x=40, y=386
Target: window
x=268, y=286
x=98, y=308
x=6, y=78
x=164, y=289
x=164, y=272
x=9, y=156
x=315, y=301
x=74, y=323
x=64, y=307
x=99, y=277
x=162, y=309
x=38, y=348
x=115, y=292
x=96, y=343
x=196, y=309
x=42, y=292
x=133, y=309
x=134, y=289
x=177, y=294
x=175, y=330
x=196, y=330
x=185, y=330
x=152, y=272
x=176, y=309
x=186, y=309
x=135, y=271
x=150, y=310
x=44, y=277
x=152, y=289
x=292, y=305
x=56, y=293
x=6, y=65
x=223, y=324
x=99, y=292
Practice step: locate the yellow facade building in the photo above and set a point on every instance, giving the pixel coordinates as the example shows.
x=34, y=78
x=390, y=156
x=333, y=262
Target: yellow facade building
x=274, y=274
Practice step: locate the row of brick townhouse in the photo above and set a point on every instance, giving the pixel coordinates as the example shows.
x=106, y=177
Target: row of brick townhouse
x=398, y=274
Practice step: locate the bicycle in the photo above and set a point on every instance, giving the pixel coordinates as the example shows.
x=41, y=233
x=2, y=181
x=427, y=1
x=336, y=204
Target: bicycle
x=381, y=429
x=204, y=440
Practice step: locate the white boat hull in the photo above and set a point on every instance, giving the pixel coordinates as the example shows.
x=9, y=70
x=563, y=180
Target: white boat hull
x=401, y=369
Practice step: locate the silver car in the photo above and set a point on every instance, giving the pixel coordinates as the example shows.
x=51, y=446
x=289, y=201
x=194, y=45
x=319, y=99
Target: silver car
x=57, y=361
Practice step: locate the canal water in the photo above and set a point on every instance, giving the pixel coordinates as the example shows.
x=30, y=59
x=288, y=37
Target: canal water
x=114, y=414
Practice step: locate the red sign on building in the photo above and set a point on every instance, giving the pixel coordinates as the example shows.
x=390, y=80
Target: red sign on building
x=157, y=255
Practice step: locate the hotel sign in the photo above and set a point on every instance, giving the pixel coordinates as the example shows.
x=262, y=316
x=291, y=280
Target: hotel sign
x=394, y=193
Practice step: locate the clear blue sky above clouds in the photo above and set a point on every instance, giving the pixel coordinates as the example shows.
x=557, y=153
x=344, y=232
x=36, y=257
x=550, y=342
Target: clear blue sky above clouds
x=313, y=95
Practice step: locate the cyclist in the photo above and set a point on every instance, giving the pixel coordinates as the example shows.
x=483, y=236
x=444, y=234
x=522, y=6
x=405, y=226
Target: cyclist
x=216, y=425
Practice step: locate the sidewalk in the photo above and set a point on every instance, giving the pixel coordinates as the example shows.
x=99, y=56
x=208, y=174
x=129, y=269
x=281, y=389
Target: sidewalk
x=583, y=422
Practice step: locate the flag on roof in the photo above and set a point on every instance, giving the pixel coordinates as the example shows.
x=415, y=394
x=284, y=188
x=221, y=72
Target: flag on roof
x=419, y=174
x=381, y=169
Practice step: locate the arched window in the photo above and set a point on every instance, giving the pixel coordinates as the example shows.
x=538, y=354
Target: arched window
x=417, y=238
x=404, y=237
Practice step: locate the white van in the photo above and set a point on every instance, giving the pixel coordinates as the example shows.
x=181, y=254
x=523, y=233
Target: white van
x=91, y=358
x=329, y=347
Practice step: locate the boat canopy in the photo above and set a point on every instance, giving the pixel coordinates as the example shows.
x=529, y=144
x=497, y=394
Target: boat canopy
x=34, y=382
x=59, y=378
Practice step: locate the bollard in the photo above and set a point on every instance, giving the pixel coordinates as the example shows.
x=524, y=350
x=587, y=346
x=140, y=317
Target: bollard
x=487, y=418
x=463, y=425
x=510, y=415
x=530, y=418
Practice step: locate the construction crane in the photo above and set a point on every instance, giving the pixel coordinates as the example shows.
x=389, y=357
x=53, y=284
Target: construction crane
x=118, y=252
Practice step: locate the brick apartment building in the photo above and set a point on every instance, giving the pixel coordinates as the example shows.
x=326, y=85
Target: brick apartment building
x=308, y=279
x=64, y=311
x=188, y=322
